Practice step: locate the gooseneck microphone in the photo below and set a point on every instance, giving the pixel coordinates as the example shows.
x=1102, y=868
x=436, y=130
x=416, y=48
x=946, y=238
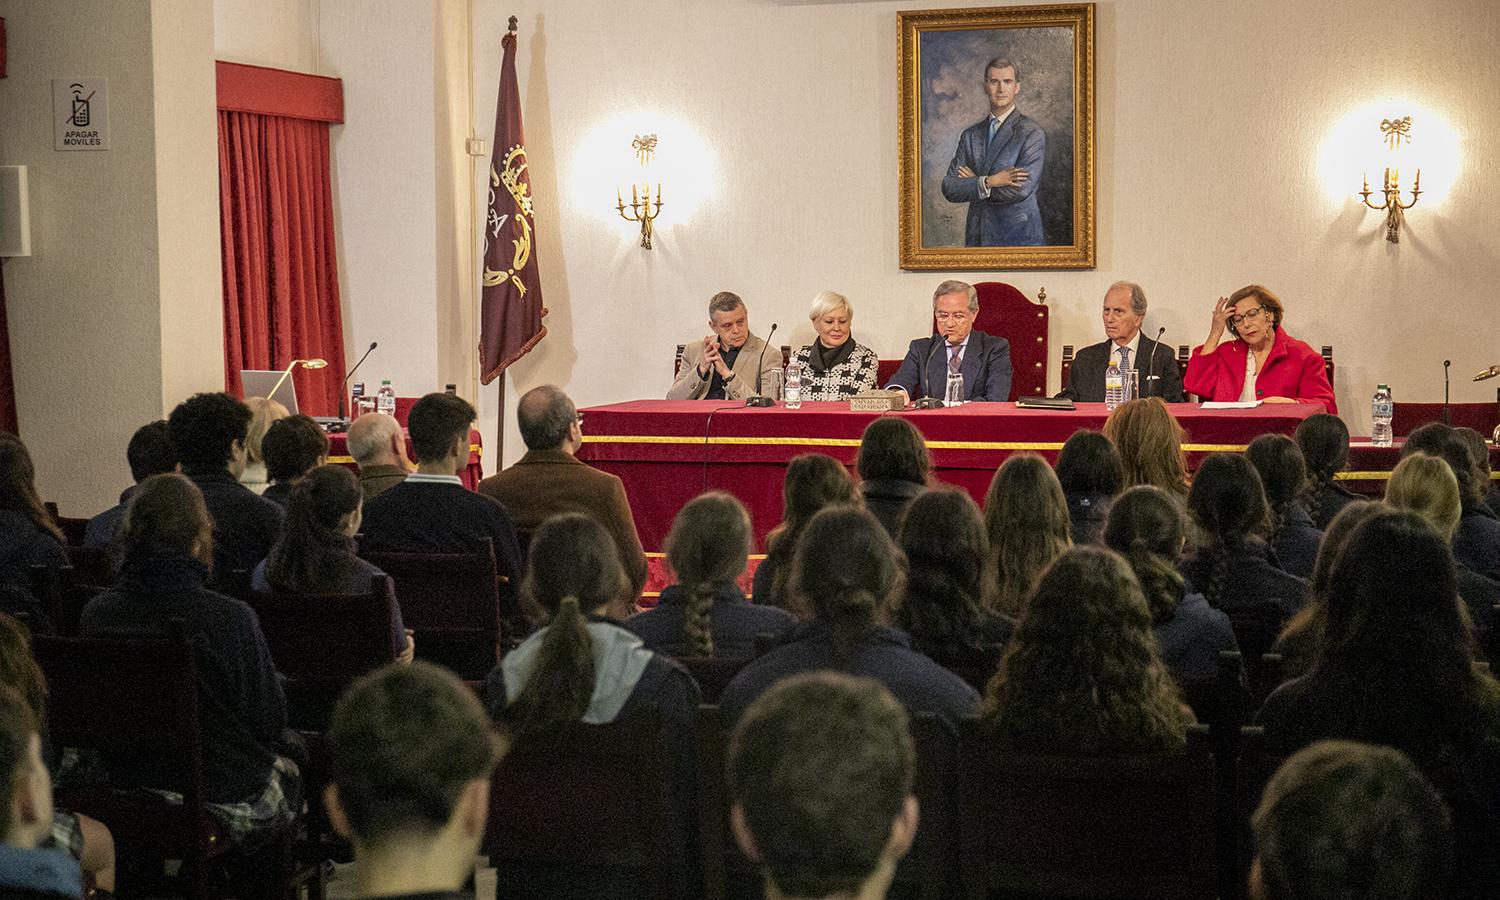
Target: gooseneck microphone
x=1447, y=412
x=758, y=399
x=1151, y=363
x=928, y=401
x=344, y=388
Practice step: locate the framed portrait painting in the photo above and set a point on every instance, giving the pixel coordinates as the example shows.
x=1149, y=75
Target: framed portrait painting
x=996, y=138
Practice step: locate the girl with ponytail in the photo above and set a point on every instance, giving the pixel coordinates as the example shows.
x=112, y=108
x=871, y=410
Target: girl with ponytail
x=1324, y=441
x=315, y=553
x=847, y=571
x=1145, y=526
x=1283, y=474
x=705, y=613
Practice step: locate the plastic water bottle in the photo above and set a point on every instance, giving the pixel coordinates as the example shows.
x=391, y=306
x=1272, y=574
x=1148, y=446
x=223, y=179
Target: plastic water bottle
x=385, y=398
x=954, y=395
x=794, y=385
x=1114, y=386
x=1382, y=409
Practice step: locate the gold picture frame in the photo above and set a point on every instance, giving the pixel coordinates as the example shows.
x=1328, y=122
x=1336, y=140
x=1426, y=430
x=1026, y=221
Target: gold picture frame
x=948, y=92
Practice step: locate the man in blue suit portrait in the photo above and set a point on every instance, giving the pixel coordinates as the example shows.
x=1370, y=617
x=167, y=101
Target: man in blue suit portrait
x=998, y=168
x=982, y=359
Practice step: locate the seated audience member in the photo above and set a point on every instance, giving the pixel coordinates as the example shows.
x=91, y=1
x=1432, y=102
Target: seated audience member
x=431, y=511
x=149, y=453
x=1127, y=348
x=549, y=479
x=1476, y=544
x=1425, y=485
x=943, y=606
x=821, y=771
x=315, y=554
x=1324, y=441
x=1149, y=440
x=1348, y=821
x=1265, y=363
x=291, y=448
x=1091, y=474
x=583, y=665
x=263, y=413
x=26, y=868
x=379, y=449
x=28, y=535
x=1284, y=479
x=1026, y=517
x=411, y=755
x=1082, y=674
x=1479, y=449
x=704, y=613
x=847, y=571
x=84, y=838
x=983, y=360
x=1146, y=527
x=1234, y=567
x=208, y=433
x=813, y=481
x=722, y=366
x=1395, y=668
x=835, y=366
x=167, y=537
x=1299, y=639
x=894, y=466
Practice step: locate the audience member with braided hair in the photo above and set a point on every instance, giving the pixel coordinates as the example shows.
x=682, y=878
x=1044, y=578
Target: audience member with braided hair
x=315, y=553
x=28, y=536
x=1149, y=440
x=1026, y=517
x=1395, y=667
x=1283, y=476
x=847, y=571
x=1425, y=485
x=943, y=609
x=813, y=481
x=1083, y=674
x=894, y=467
x=1091, y=475
x=1476, y=544
x=1303, y=633
x=705, y=613
x=1324, y=441
x=1479, y=449
x=1233, y=565
x=1146, y=527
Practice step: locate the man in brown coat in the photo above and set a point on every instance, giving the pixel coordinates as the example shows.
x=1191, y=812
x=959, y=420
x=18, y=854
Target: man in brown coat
x=550, y=480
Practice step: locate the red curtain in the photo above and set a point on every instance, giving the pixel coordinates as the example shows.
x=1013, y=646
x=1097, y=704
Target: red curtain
x=281, y=295
x=7, y=387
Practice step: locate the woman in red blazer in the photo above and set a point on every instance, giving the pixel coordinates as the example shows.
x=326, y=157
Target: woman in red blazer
x=1278, y=367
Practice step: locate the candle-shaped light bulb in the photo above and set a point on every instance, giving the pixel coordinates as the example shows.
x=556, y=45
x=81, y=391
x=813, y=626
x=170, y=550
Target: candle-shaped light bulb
x=1417, y=185
x=1367, y=183
x=634, y=197
x=619, y=201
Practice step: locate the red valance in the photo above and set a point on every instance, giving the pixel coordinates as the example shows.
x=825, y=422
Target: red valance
x=277, y=92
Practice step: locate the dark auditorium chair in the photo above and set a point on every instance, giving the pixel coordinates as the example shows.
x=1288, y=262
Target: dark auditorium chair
x=136, y=702
x=585, y=802
x=1085, y=827
x=713, y=673
x=62, y=592
x=452, y=602
x=1256, y=627
x=1220, y=702
x=73, y=529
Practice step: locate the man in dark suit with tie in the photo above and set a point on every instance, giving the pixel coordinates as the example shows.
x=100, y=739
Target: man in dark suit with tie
x=1124, y=310
x=998, y=168
x=982, y=359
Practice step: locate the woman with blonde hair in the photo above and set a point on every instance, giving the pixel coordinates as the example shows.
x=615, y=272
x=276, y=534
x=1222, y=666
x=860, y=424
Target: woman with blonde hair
x=1026, y=517
x=1149, y=439
x=835, y=366
x=263, y=413
x=705, y=613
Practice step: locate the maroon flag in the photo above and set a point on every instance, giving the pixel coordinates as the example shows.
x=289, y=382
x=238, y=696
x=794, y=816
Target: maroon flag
x=511, y=311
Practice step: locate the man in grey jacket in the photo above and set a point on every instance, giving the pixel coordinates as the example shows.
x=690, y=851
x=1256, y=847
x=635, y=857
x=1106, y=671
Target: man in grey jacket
x=722, y=366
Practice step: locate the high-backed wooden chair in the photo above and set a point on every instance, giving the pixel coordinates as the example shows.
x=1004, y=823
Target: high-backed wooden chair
x=1006, y=312
x=1081, y=827
x=1185, y=352
x=453, y=603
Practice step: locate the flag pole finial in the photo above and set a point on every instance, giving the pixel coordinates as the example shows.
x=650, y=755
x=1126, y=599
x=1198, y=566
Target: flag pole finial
x=512, y=24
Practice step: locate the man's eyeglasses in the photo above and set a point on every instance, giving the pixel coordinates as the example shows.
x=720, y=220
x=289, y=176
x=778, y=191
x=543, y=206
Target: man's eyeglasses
x=1249, y=314
x=951, y=316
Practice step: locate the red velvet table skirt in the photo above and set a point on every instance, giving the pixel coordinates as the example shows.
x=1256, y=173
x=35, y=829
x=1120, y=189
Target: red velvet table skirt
x=338, y=454
x=667, y=452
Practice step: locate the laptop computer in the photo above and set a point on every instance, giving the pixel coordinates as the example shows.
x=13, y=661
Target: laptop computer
x=258, y=383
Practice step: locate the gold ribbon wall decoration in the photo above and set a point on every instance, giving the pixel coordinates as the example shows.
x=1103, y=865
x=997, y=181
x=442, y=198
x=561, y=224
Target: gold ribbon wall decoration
x=510, y=177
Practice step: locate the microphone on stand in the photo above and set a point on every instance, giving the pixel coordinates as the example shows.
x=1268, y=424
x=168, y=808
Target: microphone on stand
x=928, y=401
x=1447, y=413
x=1151, y=363
x=343, y=422
x=757, y=399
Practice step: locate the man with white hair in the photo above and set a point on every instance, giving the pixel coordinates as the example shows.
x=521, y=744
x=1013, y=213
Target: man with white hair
x=1126, y=347
x=379, y=448
x=982, y=359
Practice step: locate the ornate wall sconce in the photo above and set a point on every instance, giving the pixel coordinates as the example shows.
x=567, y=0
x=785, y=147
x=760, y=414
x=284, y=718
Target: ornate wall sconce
x=640, y=195
x=1395, y=131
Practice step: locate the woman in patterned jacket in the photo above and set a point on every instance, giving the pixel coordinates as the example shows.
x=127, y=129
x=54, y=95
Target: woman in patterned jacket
x=836, y=366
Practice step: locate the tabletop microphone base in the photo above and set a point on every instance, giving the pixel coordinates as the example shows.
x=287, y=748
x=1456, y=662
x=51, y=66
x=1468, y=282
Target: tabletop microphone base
x=760, y=401
x=928, y=403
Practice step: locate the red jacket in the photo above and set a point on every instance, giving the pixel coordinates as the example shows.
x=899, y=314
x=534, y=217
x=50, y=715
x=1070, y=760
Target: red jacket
x=1292, y=369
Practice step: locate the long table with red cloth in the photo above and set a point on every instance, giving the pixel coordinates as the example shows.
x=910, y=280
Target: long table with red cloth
x=669, y=451
x=473, y=473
